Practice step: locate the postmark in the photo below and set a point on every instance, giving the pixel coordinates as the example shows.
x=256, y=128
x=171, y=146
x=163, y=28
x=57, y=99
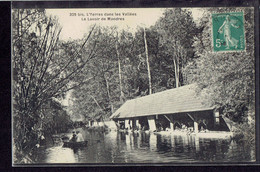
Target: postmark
x=228, y=31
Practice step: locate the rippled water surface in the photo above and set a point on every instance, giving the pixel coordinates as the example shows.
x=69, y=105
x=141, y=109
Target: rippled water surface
x=117, y=147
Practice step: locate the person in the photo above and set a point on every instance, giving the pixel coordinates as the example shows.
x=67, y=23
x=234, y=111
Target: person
x=226, y=26
x=73, y=138
x=202, y=129
x=79, y=137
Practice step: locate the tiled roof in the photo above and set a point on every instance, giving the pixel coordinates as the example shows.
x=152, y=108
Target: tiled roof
x=177, y=100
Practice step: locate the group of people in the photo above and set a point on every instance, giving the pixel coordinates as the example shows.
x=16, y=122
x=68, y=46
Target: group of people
x=76, y=137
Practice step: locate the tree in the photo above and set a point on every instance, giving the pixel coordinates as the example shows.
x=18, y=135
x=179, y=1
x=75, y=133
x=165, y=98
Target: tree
x=177, y=30
x=141, y=76
x=42, y=70
x=227, y=79
x=97, y=98
x=124, y=60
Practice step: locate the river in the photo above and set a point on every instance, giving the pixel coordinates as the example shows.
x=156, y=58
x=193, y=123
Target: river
x=118, y=147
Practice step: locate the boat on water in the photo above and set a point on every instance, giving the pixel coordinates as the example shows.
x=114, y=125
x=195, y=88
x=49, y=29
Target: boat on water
x=75, y=144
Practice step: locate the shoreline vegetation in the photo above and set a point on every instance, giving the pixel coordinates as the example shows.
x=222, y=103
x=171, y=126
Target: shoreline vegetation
x=109, y=66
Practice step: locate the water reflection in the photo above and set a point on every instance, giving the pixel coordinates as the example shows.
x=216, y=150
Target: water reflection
x=153, y=142
x=197, y=144
x=120, y=147
x=65, y=155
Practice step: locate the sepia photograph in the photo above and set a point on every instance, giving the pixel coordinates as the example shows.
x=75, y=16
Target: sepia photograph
x=133, y=85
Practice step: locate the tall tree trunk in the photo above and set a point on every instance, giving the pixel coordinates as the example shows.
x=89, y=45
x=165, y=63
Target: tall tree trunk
x=120, y=75
x=147, y=62
x=176, y=72
x=108, y=94
x=176, y=63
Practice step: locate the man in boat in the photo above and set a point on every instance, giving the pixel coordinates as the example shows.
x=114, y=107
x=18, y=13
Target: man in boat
x=79, y=137
x=73, y=138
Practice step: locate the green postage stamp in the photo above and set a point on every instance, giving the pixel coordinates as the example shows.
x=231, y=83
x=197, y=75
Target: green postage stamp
x=228, y=31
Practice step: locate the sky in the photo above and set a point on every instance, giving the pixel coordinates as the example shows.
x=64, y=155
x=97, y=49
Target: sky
x=74, y=27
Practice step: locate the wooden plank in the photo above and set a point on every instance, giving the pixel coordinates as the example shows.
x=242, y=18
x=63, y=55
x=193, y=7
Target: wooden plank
x=151, y=123
x=191, y=117
x=167, y=118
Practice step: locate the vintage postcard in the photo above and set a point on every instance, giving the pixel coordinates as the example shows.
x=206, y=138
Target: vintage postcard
x=133, y=86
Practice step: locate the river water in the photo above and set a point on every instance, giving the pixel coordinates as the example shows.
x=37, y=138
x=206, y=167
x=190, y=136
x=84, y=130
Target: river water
x=118, y=147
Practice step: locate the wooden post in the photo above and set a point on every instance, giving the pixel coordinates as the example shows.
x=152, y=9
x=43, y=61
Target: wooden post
x=151, y=122
x=127, y=123
x=137, y=124
x=196, y=127
x=191, y=117
x=131, y=123
x=172, y=122
x=216, y=115
x=171, y=125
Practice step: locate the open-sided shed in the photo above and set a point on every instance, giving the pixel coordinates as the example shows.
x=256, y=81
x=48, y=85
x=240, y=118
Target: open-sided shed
x=176, y=106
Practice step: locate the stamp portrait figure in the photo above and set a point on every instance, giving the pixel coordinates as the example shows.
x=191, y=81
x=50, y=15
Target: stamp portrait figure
x=226, y=30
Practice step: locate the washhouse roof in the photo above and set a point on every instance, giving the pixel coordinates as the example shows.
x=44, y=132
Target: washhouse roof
x=177, y=100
